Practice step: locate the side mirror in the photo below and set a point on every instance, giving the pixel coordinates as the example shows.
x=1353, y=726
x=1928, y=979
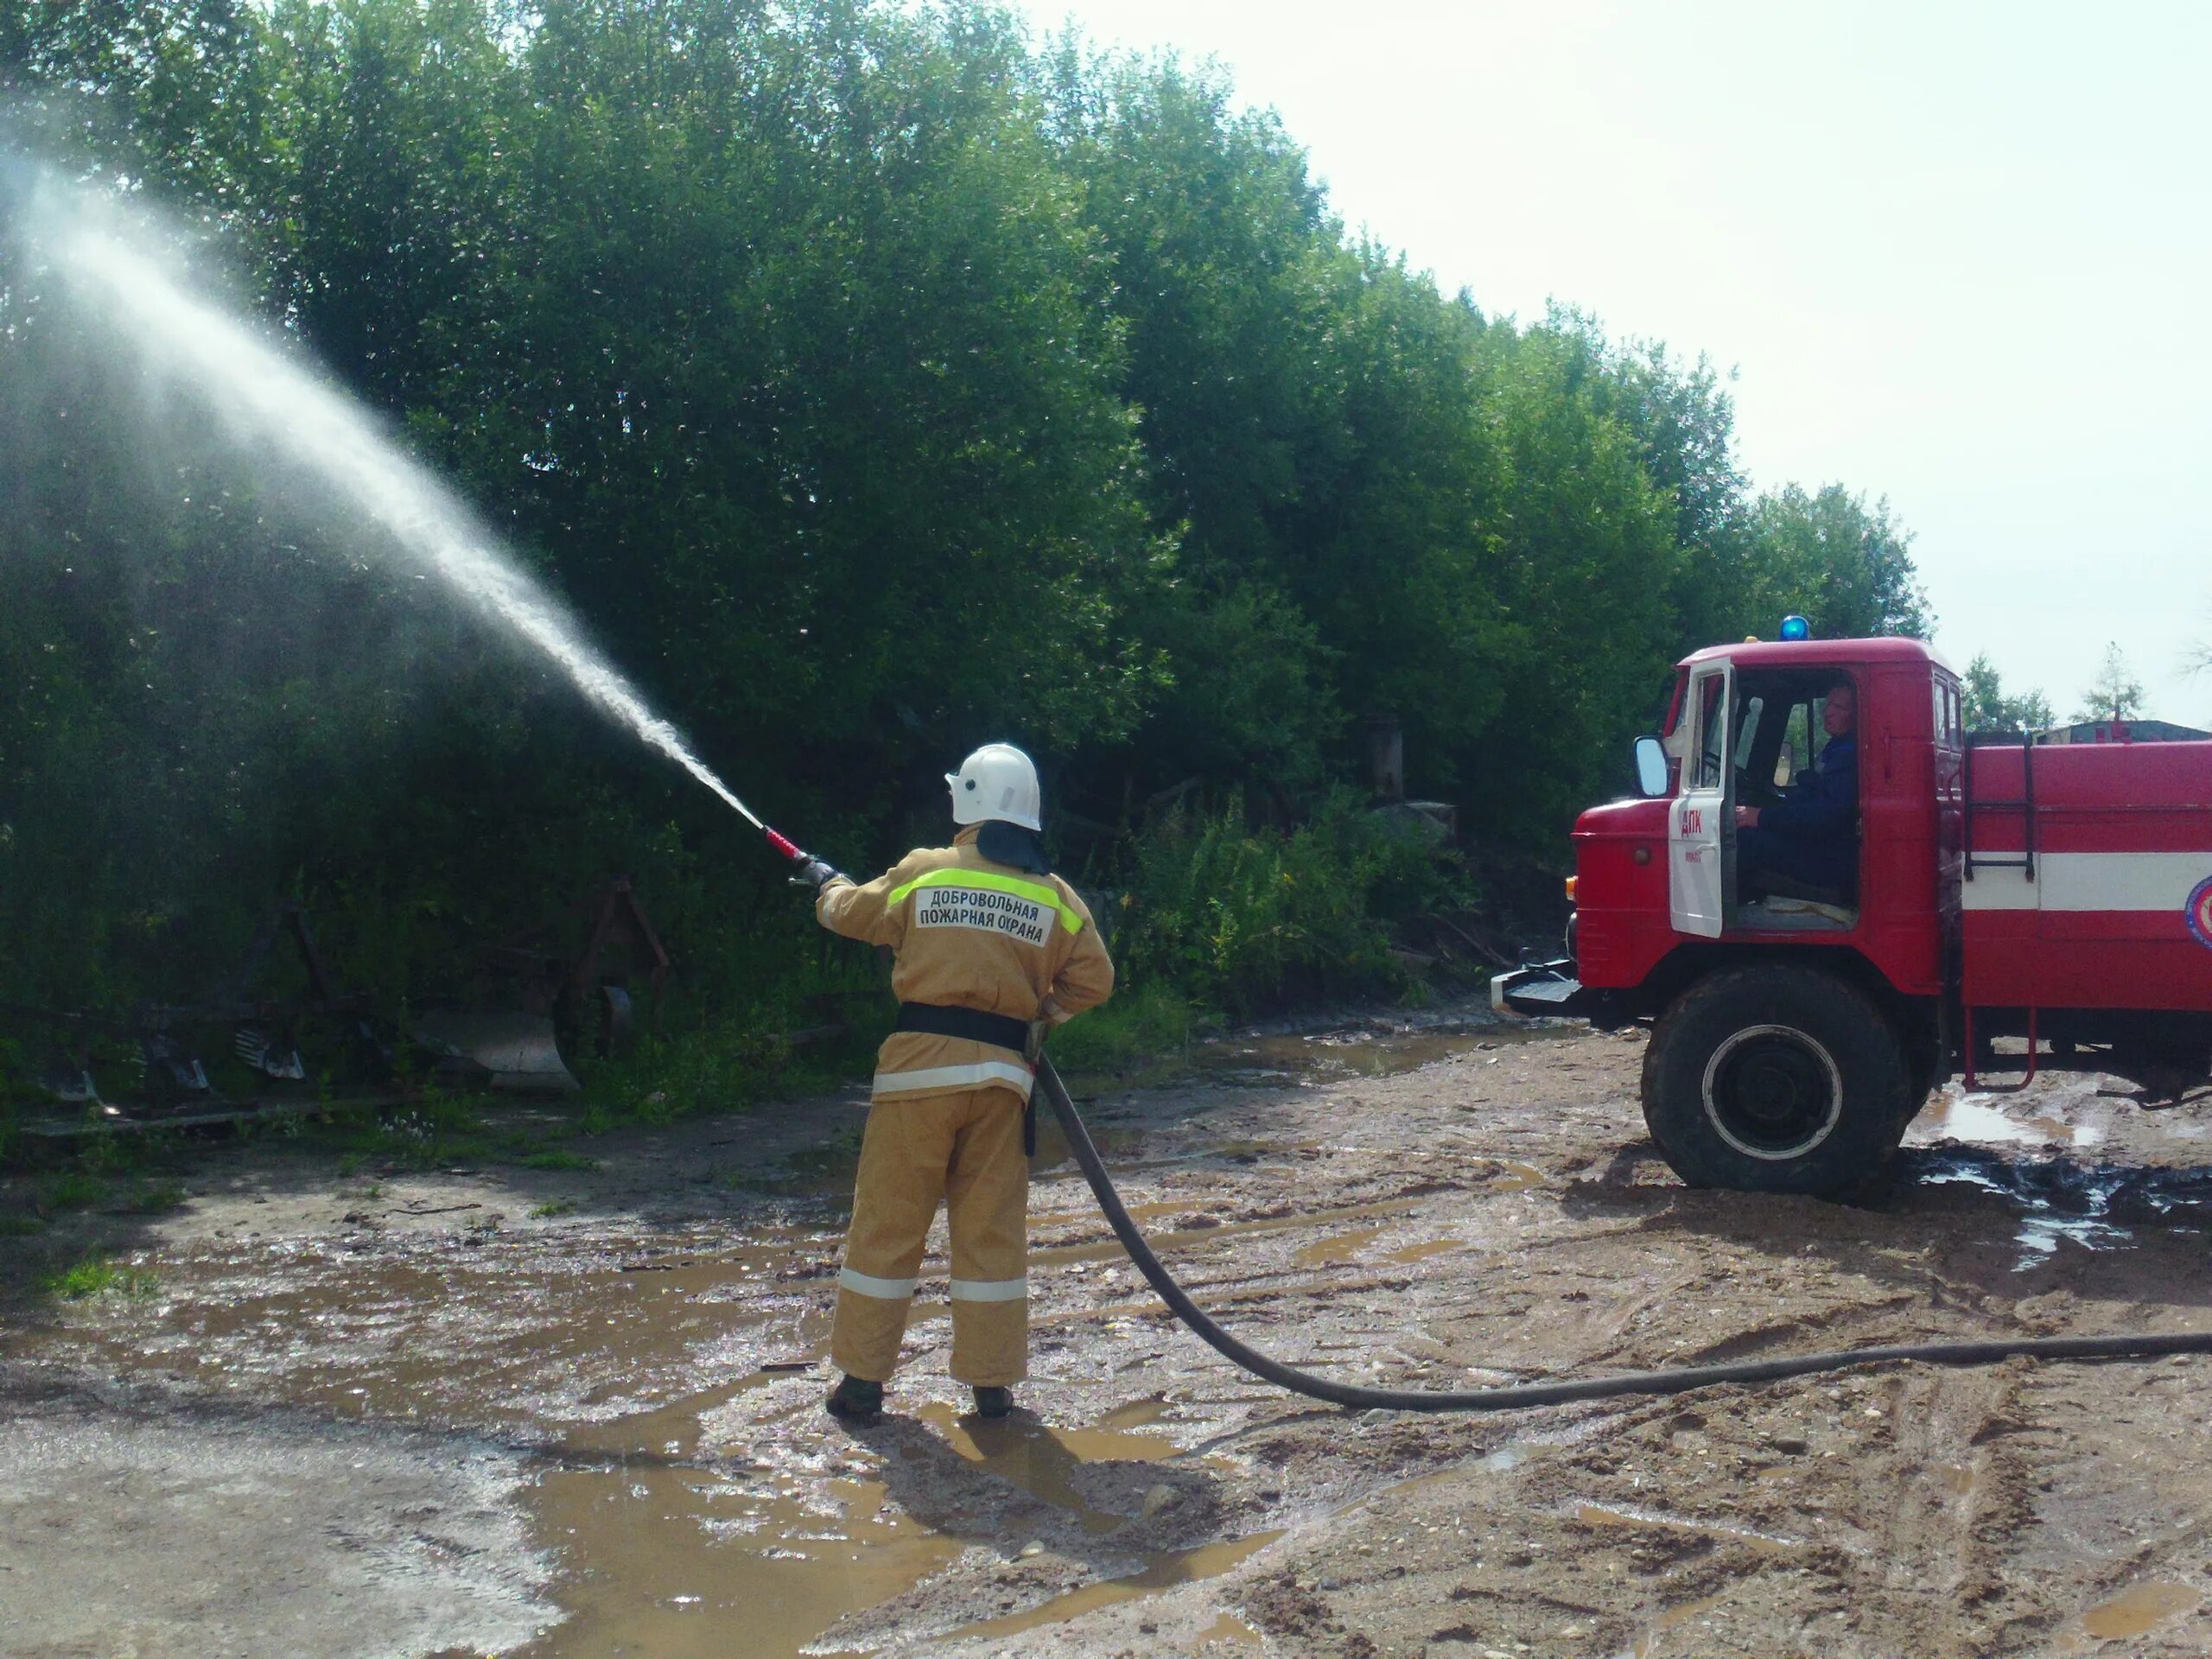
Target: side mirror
x=1650, y=767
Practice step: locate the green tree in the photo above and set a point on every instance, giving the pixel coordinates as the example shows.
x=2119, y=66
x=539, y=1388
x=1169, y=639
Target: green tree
x=2115, y=694
x=1225, y=274
x=1845, y=567
x=1587, y=567
x=1989, y=708
x=1684, y=421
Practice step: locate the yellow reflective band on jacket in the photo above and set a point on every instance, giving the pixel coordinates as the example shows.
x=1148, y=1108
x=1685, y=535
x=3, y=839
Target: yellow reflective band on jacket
x=953, y=875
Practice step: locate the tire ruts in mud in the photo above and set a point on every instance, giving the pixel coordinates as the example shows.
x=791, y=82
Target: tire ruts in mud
x=1680, y=1380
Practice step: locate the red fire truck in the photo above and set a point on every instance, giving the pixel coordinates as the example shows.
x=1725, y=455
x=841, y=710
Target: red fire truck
x=2058, y=894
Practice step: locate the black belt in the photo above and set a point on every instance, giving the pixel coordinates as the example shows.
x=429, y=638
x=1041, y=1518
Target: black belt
x=999, y=1030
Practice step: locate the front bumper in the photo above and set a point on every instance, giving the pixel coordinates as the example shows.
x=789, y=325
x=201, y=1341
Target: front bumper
x=1549, y=989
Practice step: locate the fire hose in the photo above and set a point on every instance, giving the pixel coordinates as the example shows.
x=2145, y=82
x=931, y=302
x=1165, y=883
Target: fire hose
x=1679, y=1379
x=1521, y=1396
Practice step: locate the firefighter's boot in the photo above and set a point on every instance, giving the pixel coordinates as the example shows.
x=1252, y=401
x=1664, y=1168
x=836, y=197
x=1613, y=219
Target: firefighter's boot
x=857, y=1401
x=993, y=1403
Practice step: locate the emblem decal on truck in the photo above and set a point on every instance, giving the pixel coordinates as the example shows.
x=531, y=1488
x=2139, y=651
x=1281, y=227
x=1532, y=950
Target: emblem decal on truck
x=1693, y=821
x=2200, y=913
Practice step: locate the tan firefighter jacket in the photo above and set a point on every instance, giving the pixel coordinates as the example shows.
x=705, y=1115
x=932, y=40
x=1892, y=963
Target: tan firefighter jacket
x=970, y=934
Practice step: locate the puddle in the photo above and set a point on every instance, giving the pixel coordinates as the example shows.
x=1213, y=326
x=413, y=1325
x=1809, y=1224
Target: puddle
x=1135, y=1415
x=1422, y=1251
x=1231, y=1629
x=1340, y=1250
x=1651, y=1639
x=1600, y=1514
x=692, y=1488
x=1979, y=1119
x=1164, y=1572
x=1518, y=1177
x=501, y=1333
x=666, y=1535
x=2135, y=1611
x=1042, y=1460
x=1972, y=1141
x=131, y=1532
x=672, y=1548
x=1335, y=1249
x=668, y=1560
x=2058, y=1200
x=1253, y=1152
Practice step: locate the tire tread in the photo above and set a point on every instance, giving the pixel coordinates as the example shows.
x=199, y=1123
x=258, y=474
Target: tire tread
x=1864, y=1041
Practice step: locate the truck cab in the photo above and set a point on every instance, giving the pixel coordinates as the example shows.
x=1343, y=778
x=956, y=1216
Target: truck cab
x=1807, y=984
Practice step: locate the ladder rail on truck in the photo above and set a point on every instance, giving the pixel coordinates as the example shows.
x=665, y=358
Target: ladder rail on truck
x=1979, y=858
x=2062, y=895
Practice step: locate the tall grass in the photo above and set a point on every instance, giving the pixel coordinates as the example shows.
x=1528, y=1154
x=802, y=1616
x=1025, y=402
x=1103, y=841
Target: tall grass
x=1241, y=920
x=1142, y=1024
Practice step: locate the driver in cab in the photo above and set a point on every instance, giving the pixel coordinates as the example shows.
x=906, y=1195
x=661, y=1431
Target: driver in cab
x=1809, y=837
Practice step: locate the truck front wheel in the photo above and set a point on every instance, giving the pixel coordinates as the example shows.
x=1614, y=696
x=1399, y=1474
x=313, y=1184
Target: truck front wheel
x=1776, y=1079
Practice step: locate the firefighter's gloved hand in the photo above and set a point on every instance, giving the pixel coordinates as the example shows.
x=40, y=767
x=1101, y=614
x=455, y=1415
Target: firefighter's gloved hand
x=817, y=872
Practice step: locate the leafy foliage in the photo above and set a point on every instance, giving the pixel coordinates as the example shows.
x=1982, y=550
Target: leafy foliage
x=1847, y=568
x=1144, y=1024
x=1242, y=919
x=1989, y=708
x=2115, y=694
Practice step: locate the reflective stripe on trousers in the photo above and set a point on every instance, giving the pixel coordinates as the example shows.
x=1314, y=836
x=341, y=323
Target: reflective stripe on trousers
x=961, y=1290
x=965, y=1149
x=888, y=1290
x=981, y=1075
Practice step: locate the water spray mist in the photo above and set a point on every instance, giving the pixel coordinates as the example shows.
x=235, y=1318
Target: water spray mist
x=262, y=393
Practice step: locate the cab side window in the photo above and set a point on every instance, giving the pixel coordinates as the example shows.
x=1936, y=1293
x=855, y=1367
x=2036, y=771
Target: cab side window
x=1797, y=746
x=1711, y=728
x=1747, y=739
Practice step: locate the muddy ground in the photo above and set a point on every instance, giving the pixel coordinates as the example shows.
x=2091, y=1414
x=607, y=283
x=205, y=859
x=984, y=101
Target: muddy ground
x=576, y=1412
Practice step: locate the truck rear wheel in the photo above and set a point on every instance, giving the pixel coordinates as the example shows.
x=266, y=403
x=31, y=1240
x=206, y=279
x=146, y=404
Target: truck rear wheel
x=1776, y=1079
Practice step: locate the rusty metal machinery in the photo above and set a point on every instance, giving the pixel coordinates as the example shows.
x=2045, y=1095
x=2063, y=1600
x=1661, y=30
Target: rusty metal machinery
x=536, y=1007
x=530, y=1009
x=155, y=1060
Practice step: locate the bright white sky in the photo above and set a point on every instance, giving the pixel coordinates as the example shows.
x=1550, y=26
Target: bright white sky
x=1960, y=254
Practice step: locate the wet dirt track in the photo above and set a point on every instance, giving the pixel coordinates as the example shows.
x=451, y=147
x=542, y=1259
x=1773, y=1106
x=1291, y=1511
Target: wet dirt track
x=428, y=1422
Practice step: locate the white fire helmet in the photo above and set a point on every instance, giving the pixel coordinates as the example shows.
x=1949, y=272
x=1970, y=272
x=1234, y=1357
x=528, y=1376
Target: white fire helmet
x=996, y=782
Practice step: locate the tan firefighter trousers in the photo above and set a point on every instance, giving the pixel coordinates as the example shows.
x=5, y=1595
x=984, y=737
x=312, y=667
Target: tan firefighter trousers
x=965, y=1148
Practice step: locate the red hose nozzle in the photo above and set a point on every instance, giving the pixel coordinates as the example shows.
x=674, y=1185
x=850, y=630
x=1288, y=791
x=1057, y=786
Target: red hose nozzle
x=785, y=845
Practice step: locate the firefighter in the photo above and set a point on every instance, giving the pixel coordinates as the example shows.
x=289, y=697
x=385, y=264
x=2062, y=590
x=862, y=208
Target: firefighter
x=1809, y=837
x=990, y=949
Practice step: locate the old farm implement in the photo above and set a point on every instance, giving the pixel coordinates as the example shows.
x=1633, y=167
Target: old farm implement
x=244, y=1048
x=534, y=1003
x=280, y=1034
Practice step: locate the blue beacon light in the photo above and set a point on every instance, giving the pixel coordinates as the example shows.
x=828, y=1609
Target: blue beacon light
x=1795, y=627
